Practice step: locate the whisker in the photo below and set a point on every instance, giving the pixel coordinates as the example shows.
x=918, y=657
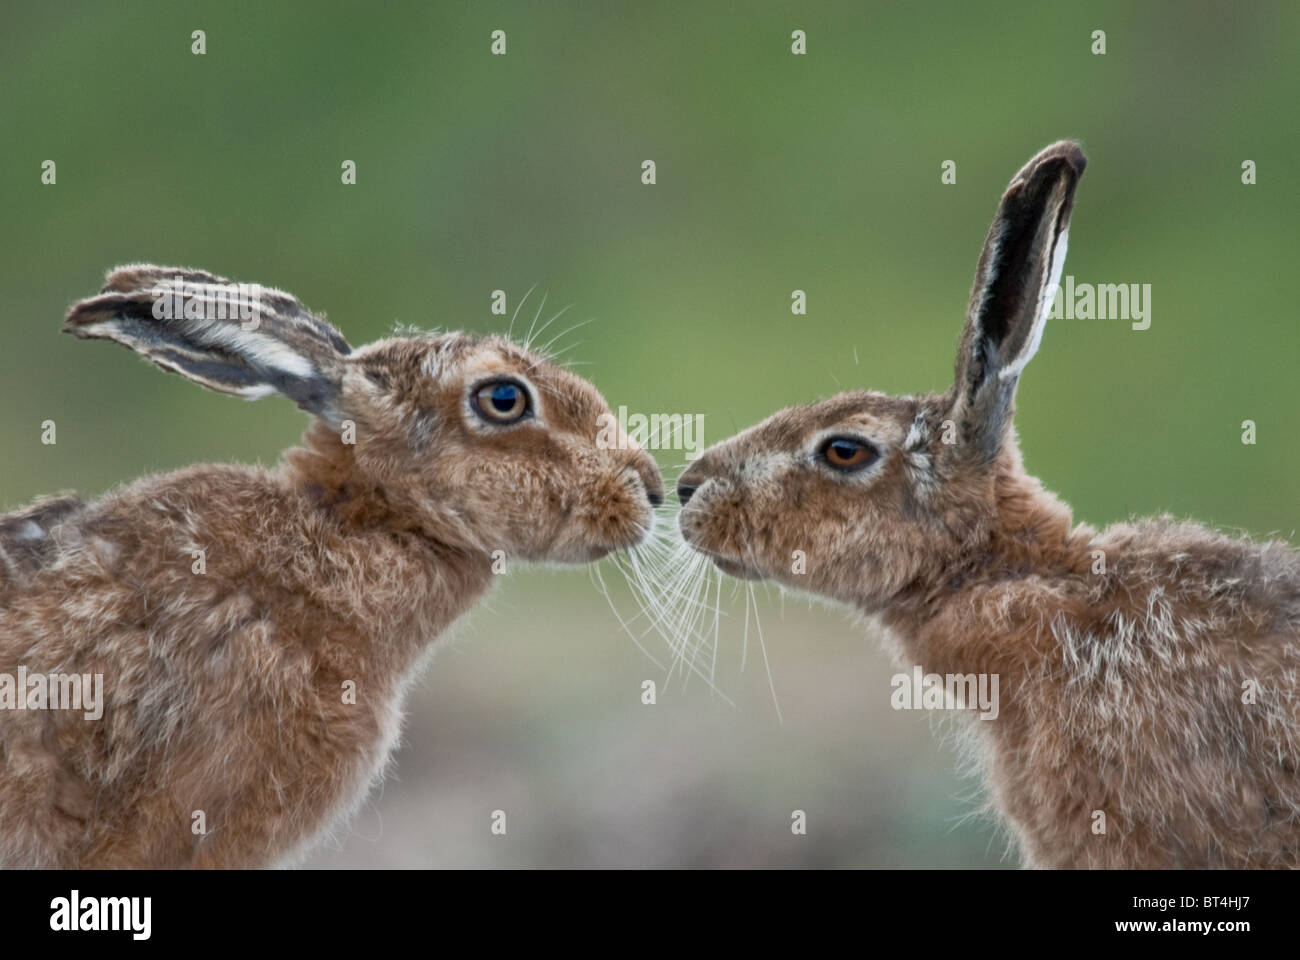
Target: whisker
x=510, y=334
x=563, y=310
x=528, y=338
x=678, y=593
x=563, y=333
x=767, y=665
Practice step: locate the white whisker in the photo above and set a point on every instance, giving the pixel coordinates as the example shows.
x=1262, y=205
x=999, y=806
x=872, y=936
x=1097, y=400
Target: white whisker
x=678, y=596
x=511, y=332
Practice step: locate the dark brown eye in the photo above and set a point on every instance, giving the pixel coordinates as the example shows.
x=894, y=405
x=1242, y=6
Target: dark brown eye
x=501, y=401
x=847, y=454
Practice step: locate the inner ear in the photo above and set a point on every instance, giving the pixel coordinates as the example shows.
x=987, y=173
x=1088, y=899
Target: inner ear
x=1032, y=242
x=241, y=339
x=1013, y=291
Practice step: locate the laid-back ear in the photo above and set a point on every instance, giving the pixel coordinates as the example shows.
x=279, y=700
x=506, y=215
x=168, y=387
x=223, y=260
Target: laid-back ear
x=242, y=339
x=1015, y=284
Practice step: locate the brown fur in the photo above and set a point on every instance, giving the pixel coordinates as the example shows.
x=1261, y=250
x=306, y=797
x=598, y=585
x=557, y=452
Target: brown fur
x=1121, y=691
x=224, y=690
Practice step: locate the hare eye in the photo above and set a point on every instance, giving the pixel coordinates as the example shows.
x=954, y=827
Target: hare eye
x=847, y=454
x=501, y=401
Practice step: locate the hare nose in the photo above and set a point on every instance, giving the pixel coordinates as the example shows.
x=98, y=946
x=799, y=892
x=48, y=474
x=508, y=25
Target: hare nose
x=695, y=476
x=648, y=471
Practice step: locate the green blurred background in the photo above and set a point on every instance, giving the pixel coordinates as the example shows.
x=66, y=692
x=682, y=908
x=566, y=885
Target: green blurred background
x=775, y=172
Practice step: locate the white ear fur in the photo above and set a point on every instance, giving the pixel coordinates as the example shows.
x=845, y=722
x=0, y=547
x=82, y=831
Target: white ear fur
x=1045, y=301
x=256, y=347
x=287, y=350
x=1015, y=287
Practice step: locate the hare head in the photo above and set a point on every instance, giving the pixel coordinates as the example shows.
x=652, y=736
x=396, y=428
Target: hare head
x=863, y=494
x=475, y=442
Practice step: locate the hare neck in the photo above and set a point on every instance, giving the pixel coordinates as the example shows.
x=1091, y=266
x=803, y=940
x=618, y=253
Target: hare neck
x=325, y=472
x=440, y=581
x=986, y=607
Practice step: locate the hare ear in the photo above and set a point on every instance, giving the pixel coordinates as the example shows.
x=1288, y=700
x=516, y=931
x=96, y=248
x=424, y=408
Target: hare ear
x=1015, y=285
x=242, y=339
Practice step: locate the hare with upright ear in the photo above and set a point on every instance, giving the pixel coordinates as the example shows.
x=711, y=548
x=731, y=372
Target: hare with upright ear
x=255, y=630
x=1149, y=691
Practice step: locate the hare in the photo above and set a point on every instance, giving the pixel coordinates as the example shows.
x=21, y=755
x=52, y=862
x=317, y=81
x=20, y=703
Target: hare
x=1149, y=673
x=256, y=630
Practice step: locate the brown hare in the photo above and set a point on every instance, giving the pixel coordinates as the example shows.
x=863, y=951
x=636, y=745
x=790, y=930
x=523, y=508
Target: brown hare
x=255, y=630
x=1149, y=673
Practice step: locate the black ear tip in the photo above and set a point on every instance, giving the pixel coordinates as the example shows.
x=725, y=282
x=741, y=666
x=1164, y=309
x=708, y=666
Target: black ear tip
x=1057, y=167
x=1071, y=153
x=1063, y=153
x=76, y=320
x=1078, y=159
x=1049, y=165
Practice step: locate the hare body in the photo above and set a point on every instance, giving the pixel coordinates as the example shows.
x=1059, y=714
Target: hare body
x=1158, y=700
x=1149, y=674
x=256, y=630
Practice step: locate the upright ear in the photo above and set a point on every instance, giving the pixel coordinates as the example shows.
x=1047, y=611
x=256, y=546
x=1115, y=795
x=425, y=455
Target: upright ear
x=1015, y=284
x=241, y=339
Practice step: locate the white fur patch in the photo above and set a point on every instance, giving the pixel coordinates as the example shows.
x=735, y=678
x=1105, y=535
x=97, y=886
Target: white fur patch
x=1045, y=299
x=106, y=550
x=30, y=530
x=916, y=433
x=258, y=347
x=762, y=467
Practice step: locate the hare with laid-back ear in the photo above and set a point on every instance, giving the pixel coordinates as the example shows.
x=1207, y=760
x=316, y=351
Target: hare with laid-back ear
x=1149, y=673
x=256, y=630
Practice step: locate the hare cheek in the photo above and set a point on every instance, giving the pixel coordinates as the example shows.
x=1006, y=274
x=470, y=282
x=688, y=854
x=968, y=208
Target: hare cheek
x=609, y=514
